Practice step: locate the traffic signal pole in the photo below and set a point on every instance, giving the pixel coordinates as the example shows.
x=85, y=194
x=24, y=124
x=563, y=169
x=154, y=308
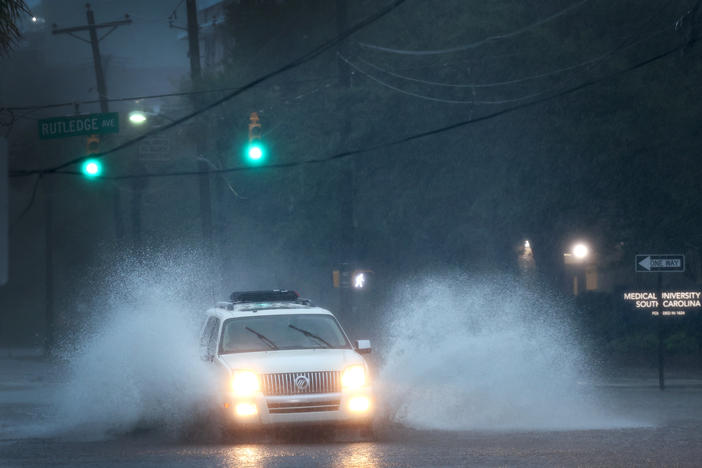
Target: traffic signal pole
x=49, y=269
x=203, y=167
x=347, y=235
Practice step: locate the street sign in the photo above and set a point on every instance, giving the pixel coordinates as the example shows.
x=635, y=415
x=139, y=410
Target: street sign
x=659, y=263
x=155, y=148
x=88, y=124
x=665, y=302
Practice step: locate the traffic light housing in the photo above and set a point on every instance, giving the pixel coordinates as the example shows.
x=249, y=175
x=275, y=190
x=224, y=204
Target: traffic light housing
x=92, y=167
x=92, y=144
x=255, y=151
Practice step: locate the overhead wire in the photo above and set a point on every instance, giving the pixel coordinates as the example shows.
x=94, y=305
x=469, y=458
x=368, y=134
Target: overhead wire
x=479, y=43
x=29, y=204
x=524, y=79
x=629, y=42
x=420, y=135
x=142, y=97
x=289, y=66
x=174, y=14
x=625, y=44
x=436, y=99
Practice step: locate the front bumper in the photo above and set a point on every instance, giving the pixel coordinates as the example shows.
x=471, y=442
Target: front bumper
x=317, y=408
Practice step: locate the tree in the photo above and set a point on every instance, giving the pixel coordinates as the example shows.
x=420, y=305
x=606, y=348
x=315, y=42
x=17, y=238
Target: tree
x=10, y=11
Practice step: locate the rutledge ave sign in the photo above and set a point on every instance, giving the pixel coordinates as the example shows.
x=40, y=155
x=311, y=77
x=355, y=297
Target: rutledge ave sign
x=90, y=124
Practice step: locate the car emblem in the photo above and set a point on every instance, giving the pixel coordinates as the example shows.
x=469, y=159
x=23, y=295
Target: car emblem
x=302, y=383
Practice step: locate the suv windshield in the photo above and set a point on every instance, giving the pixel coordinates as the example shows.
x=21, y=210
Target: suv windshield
x=273, y=332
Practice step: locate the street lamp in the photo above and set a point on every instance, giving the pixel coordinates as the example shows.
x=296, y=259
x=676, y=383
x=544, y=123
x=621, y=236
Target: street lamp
x=581, y=259
x=580, y=251
x=137, y=117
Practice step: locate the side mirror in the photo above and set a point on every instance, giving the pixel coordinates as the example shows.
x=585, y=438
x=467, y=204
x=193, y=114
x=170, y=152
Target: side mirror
x=363, y=346
x=205, y=355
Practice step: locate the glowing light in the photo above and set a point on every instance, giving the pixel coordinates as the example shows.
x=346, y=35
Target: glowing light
x=580, y=251
x=359, y=281
x=255, y=152
x=359, y=404
x=137, y=117
x=34, y=19
x=92, y=168
x=353, y=377
x=245, y=383
x=527, y=245
x=246, y=409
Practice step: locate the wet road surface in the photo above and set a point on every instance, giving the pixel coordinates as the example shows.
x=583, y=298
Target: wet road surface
x=667, y=432
x=673, y=445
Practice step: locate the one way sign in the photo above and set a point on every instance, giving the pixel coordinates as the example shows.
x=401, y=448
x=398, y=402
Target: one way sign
x=660, y=263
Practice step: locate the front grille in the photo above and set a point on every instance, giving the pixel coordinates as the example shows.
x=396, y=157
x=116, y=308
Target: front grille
x=284, y=383
x=303, y=407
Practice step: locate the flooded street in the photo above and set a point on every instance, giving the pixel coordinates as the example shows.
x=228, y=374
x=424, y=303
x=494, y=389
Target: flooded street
x=665, y=429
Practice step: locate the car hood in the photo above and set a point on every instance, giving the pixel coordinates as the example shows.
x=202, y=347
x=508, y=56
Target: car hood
x=294, y=360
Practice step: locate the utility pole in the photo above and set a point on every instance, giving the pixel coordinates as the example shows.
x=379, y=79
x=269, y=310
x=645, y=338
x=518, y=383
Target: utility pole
x=661, y=332
x=94, y=42
x=49, y=269
x=196, y=78
x=347, y=237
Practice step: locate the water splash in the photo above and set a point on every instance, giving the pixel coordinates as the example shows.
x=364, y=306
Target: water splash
x=136, y=364
x=485, y=353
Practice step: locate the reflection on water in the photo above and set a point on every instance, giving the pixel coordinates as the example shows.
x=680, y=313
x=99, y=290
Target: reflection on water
x=357, y=455
x=244, y=456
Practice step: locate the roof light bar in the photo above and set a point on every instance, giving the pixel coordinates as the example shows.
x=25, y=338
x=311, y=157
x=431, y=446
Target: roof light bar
x=275, y=295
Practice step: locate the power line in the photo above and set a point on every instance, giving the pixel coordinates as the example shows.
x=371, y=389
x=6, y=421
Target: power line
x=495, y=84
x=476, y=44
x=289, y=66
x=29, y=204
x=435, y=99
x=416, y=136
x=143, y=97
x=626, y=44
x=174, y=14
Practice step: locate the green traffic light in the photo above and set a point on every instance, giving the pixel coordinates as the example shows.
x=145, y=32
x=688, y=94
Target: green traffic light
x=255, y=153
x=91, y=168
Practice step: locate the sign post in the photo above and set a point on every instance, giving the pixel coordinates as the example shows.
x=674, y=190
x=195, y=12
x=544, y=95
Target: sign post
x=656, y=263
x=661, y=334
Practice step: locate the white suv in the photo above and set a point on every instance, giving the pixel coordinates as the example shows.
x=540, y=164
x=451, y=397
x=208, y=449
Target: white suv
x=286, y=362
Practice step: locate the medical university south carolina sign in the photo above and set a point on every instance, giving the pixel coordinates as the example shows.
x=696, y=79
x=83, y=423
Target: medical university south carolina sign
x=90, y=124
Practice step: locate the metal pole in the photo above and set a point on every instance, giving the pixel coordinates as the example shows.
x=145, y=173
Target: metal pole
x=104, y=107
x=661, y=333
x=97, y=62
x=48, y=269
x=193, y=40
x=196, y=77
x=347, y=237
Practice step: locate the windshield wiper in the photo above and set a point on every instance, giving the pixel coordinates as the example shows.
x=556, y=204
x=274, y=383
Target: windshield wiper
x=263, y=338
x=311, y=335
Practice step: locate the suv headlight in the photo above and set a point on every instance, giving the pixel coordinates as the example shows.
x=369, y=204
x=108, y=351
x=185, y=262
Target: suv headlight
x=245, y=383
x=353, y=377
